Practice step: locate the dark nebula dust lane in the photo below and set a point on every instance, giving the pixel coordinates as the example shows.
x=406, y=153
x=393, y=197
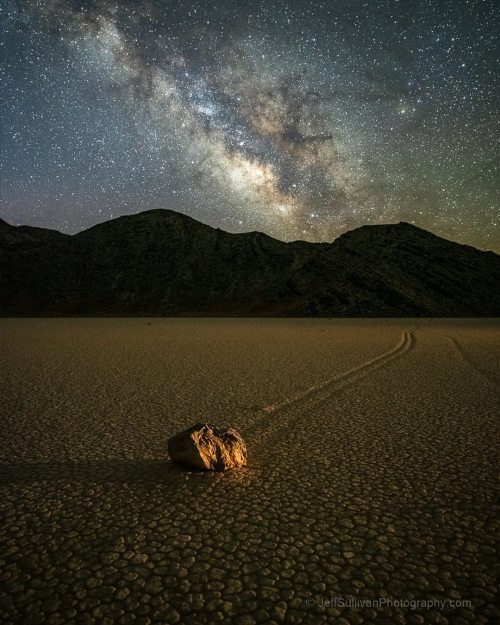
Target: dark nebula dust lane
x=299, y=119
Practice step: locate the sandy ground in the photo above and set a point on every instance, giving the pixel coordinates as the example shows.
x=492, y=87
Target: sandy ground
x=372, y=472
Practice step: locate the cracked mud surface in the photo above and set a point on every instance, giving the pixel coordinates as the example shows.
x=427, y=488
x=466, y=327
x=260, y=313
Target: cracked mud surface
x=372, y=471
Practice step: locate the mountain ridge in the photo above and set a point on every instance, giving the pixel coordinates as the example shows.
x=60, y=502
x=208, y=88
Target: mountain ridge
x=183, y=216
x=160, y=262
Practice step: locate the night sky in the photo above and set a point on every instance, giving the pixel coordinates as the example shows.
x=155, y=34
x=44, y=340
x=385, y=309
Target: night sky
x=299, y=119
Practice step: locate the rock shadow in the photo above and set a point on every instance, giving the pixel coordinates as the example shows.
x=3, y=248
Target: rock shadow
x=124, y=471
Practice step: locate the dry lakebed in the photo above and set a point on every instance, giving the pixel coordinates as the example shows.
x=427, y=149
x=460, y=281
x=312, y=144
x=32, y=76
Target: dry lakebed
x=370, y=494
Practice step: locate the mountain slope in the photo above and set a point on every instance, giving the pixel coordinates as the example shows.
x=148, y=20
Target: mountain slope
x=404, y=270
x=164, y=263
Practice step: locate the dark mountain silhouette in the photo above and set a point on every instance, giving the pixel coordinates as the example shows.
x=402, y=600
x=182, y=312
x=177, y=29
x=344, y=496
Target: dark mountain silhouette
x=163, y=263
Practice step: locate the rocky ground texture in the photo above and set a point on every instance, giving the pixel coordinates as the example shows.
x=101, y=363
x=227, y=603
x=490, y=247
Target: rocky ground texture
x=371, y=473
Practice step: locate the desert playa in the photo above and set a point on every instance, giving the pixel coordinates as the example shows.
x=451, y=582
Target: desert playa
x=369, y=497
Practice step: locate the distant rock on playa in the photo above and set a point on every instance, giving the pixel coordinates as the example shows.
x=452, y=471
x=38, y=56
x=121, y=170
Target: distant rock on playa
x=207, y=447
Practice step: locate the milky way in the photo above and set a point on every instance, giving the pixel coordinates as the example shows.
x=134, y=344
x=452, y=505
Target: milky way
x=299, y=119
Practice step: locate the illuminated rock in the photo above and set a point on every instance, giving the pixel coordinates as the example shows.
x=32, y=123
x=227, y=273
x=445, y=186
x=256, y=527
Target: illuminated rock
x=207, y=447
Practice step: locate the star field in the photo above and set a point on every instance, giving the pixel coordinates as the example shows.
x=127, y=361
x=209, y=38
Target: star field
x=299, y=119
